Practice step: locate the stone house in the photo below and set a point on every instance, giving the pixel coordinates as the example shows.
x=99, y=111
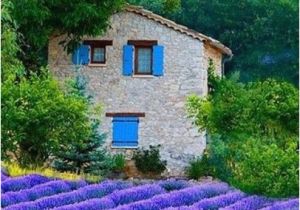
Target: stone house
x=142, y=69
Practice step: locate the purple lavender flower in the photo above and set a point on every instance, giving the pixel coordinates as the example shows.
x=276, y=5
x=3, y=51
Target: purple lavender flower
x=39, y=191
x=84, y=193
x=186, y=196
x=292, y=204
x=92, y=204
x=23, y=182
x=135, y=194
x=249, y=203
x=219, y=201
x=173, y=184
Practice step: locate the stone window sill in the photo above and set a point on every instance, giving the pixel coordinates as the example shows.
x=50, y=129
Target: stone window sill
x=97, y=65
x=142, y=76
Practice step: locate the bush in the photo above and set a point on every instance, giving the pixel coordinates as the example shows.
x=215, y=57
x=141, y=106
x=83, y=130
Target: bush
x=148, y=161
x=199, y=167
x=267, y=168
x=119, y=162
x=253, y=131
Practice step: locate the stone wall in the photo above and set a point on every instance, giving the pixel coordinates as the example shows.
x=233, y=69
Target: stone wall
x=161, y=98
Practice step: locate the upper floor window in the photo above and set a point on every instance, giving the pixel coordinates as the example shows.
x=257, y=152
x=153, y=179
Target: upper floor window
x=143, y=60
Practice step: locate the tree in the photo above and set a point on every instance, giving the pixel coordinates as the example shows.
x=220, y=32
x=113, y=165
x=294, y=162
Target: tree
x=38, y=20
x=86, y=156
x=253, y=131
x=37, y=116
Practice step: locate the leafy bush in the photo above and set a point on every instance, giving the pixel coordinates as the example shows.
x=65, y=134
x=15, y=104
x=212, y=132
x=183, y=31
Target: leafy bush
x=119, y=162
x=267, y=168
x=148, y=160
x=199, y=167
x=249, y=125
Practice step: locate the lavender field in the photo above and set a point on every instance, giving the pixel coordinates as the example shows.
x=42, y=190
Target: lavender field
x=39, y=192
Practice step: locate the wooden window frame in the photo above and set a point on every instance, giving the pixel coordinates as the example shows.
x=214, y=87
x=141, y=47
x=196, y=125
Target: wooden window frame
x=142, y=44
x=136, y=61
x=97, y=44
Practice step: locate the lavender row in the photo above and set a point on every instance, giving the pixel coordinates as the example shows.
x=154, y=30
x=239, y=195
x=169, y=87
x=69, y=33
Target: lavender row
x=117, y=198
x=23, y=182
x=186, y=196
x=173, y=184
x=84, y=193
x=39, y=191
x=292, y=204
x=249, y=203
x=215, y=202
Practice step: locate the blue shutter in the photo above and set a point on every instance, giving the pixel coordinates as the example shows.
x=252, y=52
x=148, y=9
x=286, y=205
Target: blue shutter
x=125, y=131
x=158, y=60
x=127, y=60
x=81, y=55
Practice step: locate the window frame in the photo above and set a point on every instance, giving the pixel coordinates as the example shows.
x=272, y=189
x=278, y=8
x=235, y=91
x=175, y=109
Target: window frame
x=142, y=44
x=97, y=44
x=136, y=61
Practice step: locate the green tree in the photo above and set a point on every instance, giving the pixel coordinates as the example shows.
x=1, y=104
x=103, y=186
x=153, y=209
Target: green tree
x=87, y=155
x=37, y=116
x=38, y=20
x=253, y=131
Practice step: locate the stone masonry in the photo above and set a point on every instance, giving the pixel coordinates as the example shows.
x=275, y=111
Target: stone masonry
x=161, y=98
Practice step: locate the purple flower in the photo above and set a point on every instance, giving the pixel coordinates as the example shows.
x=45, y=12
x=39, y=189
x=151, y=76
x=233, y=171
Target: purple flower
x=173, y=184
x=292, y=204
x=92, y=204
x=135, y=194
x=219, y=201
x=249, y=203
x=84, y=193
x=23, y=182
x=186, y=196
x=39, y=191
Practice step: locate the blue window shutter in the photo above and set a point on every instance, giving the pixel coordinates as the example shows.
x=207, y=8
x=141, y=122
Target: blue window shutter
x=158, y=60
x=127, y=60
x=125, y=131
x=81, y=55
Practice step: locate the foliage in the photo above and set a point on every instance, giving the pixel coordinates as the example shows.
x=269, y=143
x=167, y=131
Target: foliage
x=39, y=118
x=263, y=35
x=15, y=170
x=119, y=162
x=164, y=7
x=249, y=126
x=87, y=155
x=199, y=167
x=148, y=160
x=38, y=20
x=267, y=168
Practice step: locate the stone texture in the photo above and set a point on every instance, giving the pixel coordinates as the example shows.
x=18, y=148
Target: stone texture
x=161, y=98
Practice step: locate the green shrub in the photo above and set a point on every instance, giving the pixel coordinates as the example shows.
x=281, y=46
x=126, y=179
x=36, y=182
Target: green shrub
x=267, y=169
x=148, y=160
x=119, y=162
x=253, y=130
x=199, y=167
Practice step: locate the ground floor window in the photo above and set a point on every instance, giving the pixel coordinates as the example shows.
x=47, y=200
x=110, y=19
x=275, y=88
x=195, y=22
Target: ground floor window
x=125, y=131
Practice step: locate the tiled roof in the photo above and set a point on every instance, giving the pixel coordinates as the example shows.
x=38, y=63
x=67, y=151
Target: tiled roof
x=183, y=29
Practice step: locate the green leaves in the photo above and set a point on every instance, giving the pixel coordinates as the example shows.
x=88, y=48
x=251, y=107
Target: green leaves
x=254, y=131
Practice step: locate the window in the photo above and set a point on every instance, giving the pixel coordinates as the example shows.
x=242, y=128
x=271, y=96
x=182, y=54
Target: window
x=98, y=50
x=143, y=60
x=125, y=129
x=143, y=56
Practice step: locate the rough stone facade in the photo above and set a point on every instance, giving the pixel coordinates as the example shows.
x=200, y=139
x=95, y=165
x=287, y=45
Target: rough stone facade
x=161, y=98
